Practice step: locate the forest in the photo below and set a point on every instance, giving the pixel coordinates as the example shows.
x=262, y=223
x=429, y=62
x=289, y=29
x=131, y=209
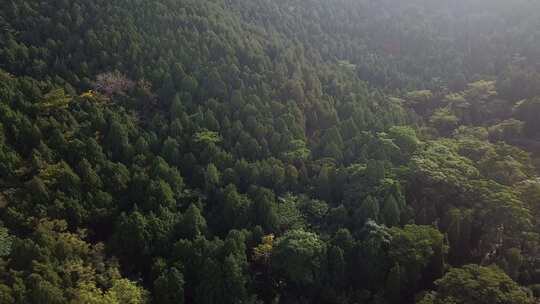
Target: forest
x=269, y=152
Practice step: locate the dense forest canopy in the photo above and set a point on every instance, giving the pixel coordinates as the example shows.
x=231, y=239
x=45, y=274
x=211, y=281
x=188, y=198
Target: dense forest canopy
x=255, y=151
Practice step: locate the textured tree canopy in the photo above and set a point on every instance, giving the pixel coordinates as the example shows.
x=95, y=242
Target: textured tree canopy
x=254, y=151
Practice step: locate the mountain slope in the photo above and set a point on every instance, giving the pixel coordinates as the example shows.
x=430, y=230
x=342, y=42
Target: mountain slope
x=252, y=151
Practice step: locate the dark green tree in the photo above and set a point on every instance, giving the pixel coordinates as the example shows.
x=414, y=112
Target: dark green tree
x=169, y=287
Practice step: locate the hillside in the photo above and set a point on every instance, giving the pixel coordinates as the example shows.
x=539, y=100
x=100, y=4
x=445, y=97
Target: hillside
x=253, y=151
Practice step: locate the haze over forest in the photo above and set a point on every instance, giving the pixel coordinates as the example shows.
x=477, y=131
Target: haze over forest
x=269, y=151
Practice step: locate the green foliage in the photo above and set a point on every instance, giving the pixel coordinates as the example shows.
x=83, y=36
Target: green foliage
x=440, y=164
x=5, y=242
x=236, y=209
x=193, y=223
x=169, y=287
x=207, y=137
x=525, y=110
x=243, y=152
x=55, y=100
x=289, y=214
x=66, y=269
x=405, y=138
x=416, y=247
x=476, y=284
x=390, y=212
x=125, y=291
x=299, y=256
x=298, y=150
x=444, y=121
x=265, y=209
x=369, y=210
